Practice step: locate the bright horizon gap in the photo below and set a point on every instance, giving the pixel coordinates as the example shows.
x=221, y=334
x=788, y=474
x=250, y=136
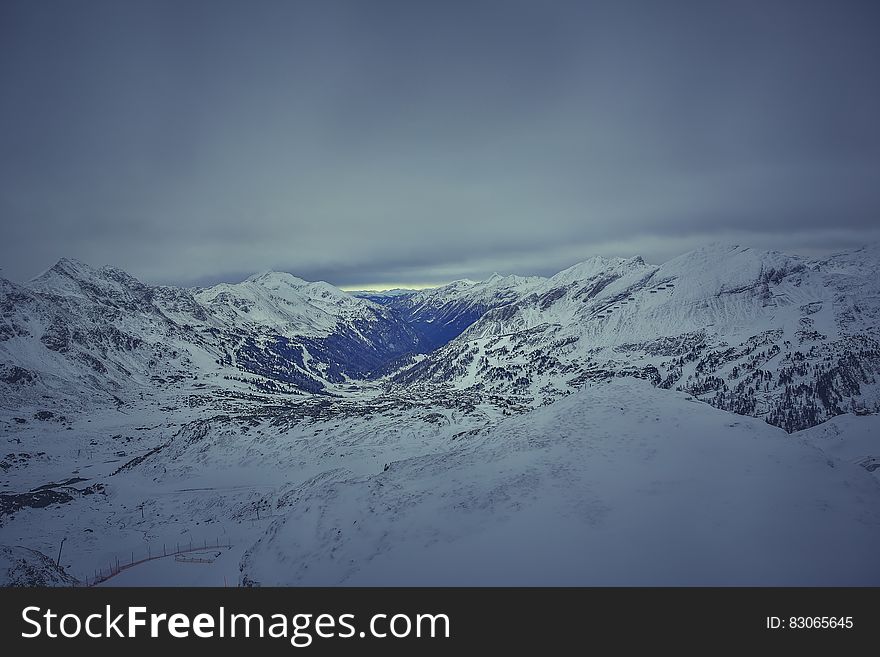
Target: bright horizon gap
x=385, y=287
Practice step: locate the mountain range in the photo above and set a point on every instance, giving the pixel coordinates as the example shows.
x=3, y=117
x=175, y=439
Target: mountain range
x=336, y=437
x=788, y=339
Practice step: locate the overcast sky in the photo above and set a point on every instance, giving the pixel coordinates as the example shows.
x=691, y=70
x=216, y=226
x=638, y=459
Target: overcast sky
x=374, y=143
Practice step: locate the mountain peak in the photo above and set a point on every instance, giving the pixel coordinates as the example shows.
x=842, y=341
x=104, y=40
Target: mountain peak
x=275, y=278
x=70, y=267
x=76, y=270
x=460, y=282
x=636, y=260
x=64, y=273
x=595, y=265
x=731, y=261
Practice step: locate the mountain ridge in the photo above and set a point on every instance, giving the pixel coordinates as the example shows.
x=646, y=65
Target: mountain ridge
x=100, y=328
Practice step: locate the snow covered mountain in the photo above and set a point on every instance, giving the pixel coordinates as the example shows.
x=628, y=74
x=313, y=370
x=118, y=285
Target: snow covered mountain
x=311, y=335
x=75, y=330
x=90, y=334
x=788, y=339
x=442, y=313
x=791, y=340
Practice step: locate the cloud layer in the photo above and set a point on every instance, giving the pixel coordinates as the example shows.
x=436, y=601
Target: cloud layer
x=417, y=142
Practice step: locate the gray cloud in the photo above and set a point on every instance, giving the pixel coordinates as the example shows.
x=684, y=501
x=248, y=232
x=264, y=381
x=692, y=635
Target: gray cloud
x=416, y=142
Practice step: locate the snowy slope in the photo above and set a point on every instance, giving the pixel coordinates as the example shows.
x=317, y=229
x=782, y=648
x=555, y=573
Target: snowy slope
x=620, y=484
x=850, y=438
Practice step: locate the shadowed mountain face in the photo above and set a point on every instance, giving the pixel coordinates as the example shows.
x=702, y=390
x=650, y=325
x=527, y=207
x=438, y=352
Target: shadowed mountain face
x=791, y=340
x=441, y=314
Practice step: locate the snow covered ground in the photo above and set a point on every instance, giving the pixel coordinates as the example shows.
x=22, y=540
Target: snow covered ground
x=849, y=438
x=125, y=485
x=620, y=484
x=210, y=567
